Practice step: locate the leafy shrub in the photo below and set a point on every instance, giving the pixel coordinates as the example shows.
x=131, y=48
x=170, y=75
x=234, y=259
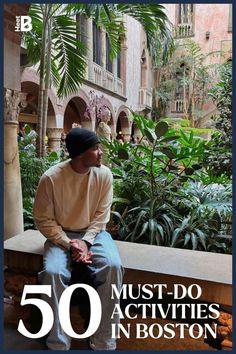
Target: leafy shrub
x=176, y=122
x=158, y=197
x=219, y=158
x=31, y=168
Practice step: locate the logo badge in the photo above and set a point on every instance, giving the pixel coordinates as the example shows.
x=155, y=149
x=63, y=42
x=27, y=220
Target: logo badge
x=23, y=24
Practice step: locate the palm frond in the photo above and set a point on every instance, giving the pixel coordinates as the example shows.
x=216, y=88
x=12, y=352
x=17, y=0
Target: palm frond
x=32, y=40
x=69, y=55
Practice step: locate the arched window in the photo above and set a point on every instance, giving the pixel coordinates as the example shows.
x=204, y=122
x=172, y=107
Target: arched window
x=181, y=88
x=184, y=20
x=185, y=13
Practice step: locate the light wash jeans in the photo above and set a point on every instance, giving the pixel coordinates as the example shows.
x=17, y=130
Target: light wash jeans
x=106, y=269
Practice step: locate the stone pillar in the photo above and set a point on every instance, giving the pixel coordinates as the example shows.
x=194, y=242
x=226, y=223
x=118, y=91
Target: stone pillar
x=54, y=138
x=13, y=208
x=123, y=63
x=103, y=56
x=90, y=49
x=114, y=64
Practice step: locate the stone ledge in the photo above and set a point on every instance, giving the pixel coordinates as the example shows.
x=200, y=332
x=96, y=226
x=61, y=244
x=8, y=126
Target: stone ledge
x=209, y=266
x=143, y=263
x=166, y=260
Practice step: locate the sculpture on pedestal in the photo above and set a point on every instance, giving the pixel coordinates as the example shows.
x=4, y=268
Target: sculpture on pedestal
x=98, y=111
x=103, y=129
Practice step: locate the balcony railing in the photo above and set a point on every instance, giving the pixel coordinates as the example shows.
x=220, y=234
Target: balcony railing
x=145, y=98
x=107, y=80
x=179, y=106
x=183, y=30
x=97, y=74
x=120, y=87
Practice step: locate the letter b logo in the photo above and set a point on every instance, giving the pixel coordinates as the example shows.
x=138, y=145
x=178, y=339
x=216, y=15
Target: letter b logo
x=25, y=23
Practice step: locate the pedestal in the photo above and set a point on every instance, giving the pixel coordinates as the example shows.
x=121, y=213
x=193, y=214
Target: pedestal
x=54, y=139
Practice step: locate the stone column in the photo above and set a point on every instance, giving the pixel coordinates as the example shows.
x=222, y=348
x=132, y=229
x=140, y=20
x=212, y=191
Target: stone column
x=123, y=63
x=114, y=64
x=54, y=138
x=13, y=207
x=103, y=56
x=90, y=49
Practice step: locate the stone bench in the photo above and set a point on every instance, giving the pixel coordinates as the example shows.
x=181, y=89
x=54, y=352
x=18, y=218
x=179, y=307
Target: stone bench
x=143, y=264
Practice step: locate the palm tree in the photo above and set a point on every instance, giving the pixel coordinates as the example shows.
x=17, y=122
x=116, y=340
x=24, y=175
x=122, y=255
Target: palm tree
x=61, y=57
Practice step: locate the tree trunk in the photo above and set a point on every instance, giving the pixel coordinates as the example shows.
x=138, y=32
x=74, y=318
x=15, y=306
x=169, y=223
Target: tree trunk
x=184, y=94
x=42, y=98
x=47, y=86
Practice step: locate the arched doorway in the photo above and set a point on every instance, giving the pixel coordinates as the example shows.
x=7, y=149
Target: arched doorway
x=29, y=114
x=74, y=113
x=123, y=129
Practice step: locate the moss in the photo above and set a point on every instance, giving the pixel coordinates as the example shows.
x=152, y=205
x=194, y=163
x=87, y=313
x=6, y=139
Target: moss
x=184, y=124
x=176, y=122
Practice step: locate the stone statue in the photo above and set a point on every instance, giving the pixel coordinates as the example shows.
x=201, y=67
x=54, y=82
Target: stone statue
x=103, y=129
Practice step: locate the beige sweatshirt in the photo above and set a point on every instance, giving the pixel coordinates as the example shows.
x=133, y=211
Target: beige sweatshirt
x=67, y=200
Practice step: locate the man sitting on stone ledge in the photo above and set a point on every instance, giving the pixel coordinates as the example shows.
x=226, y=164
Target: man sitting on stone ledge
x=71, y=209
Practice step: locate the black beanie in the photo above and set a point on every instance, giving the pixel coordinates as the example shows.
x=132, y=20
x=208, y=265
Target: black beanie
x=78, y=140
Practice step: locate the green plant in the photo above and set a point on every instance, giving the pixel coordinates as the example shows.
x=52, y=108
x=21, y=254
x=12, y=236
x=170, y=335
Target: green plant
x=150, y=223
x=176, y=122
x=215, y=197
x=218, y=160
x=163, y=202
x=193, y=232
x=31, y=168
x=53, y=44
x=148, y=175
x=220, y=244
x=188, y=78
x=206, y=178
x=213, y=203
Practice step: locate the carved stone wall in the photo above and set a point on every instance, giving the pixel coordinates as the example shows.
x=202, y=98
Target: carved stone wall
x=13, y=102
x=13, y=211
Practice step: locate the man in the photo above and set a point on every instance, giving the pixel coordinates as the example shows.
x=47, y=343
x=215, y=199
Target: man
x=71, y=209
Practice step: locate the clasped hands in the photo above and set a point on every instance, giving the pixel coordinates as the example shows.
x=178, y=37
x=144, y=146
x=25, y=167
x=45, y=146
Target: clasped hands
x=80, y=251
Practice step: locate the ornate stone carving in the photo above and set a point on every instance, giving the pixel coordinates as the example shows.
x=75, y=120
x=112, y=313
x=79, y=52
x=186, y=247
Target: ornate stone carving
x=54, y=138
x=14, y=101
